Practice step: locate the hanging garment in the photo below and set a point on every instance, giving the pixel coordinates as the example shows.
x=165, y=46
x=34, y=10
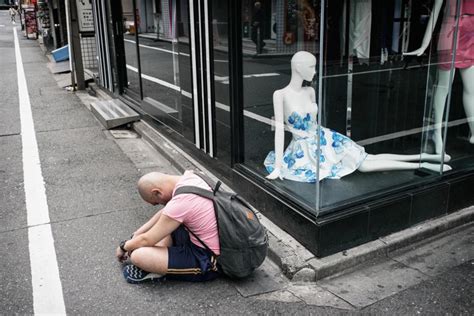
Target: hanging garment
x=360, y=21
x=464, y=57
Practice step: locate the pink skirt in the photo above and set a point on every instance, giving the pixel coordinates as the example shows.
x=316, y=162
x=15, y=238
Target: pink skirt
x=464, y=57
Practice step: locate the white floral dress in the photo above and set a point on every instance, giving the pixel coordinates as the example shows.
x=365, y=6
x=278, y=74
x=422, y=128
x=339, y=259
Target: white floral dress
x=338, y=155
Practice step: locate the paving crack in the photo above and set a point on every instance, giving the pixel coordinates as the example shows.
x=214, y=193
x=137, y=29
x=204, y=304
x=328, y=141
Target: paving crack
x=8, y=135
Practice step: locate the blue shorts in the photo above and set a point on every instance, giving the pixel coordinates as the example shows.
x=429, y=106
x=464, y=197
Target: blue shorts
x=187, y=261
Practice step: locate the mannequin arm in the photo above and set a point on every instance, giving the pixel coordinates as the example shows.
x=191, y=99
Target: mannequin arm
x=429, y=29
x=279, y=135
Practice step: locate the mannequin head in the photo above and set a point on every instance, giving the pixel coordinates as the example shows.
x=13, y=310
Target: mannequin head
x=304, y=65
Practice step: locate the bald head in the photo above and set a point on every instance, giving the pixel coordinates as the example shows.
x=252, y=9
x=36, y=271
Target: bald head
x=156, y=187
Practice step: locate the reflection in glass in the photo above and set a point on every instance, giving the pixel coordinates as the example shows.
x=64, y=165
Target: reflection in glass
x=159, y=53
x=133, y=81
x=373, y=96
x=285, y=27
x=454, y=44
x=220, y=52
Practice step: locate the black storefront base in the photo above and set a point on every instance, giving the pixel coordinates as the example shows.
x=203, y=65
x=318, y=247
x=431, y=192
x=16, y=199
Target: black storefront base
x=348, y=228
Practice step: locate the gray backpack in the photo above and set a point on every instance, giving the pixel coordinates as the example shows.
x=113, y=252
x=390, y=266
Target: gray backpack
x=243, y=239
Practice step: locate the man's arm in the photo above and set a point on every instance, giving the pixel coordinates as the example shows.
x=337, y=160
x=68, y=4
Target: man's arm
x=162, y=228
x=148, y=224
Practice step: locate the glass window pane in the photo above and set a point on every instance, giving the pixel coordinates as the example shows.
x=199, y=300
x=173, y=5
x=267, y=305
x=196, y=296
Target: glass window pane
x=378, y=83
x=280, y=95
x=219, y=25
x=450, y=110
x=159, y=56
x=132, y=82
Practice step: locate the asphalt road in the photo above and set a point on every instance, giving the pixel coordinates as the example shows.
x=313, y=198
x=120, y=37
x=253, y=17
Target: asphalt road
x=89, y=180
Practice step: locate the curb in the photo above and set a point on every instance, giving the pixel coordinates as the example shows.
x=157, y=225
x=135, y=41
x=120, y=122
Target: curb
x=296, y=262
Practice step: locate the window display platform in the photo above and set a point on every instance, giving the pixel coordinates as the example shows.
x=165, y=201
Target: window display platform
x=351, y=226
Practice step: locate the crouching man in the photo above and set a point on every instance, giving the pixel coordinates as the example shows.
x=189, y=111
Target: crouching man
x=163, y=247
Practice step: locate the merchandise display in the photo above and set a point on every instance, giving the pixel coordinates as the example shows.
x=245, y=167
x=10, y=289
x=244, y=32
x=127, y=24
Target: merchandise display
x=463, y=55
x=330, y=154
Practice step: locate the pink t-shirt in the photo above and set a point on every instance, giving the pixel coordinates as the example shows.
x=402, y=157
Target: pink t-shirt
x=195, y=212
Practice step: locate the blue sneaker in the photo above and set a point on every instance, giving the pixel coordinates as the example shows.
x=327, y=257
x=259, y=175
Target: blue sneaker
x=135, y=275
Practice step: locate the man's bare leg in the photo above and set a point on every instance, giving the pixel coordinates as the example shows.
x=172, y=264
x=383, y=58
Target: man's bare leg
x=151, y=259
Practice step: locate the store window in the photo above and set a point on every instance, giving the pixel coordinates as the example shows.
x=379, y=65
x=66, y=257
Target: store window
x=164, y=51
x=132, y=79
x=219, y=26
x=388, y=106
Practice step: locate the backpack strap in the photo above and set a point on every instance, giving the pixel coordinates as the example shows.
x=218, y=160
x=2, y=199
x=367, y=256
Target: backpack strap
x=189, y=189
x=213, y=184
x=202, y=242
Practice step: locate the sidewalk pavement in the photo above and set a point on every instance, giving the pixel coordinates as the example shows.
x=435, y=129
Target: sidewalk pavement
x=386, y=270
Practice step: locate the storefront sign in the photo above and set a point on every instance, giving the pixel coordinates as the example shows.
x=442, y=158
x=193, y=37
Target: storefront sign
x=84, y=14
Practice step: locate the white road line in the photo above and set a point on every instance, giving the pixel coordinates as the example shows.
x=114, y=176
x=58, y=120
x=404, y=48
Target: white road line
x=155, y=80
x=271, y=122
x=47, y=289
x=225, y=79
x=156, y=48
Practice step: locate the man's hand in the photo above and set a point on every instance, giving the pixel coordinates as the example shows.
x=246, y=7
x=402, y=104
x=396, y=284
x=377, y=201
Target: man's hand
x=121, y=255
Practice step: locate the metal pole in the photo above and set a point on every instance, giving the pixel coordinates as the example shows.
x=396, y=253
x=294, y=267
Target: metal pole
x=76, y=43
x=69, y=41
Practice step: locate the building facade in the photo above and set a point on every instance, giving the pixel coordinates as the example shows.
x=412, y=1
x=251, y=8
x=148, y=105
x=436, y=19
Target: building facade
x=391, y=78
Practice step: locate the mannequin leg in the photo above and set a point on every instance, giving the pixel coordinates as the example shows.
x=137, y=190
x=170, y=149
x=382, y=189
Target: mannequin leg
x=439, y=104
x=389, y=165
x=467, y=76
x=422, y=157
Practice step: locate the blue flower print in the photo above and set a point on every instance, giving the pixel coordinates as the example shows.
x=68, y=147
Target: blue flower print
x=338, y=142
x=322, y=158
x=299, y=153
x=292, y=118
x=335, y=170
x=322, y=138
x=321, y=155
x=270, y=169
x=289, y=161
x=298, y=122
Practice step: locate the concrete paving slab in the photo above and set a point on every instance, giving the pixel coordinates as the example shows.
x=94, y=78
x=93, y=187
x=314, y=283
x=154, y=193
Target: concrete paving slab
x=373, y=282
x=12, y=195
x=279, y=296
x=85, y=173
x=63, y=80
x=13, y=207
x=91, y=196
x=312, y=294
x=143, y=155
x=266, y=278
x=9, y=104
x=84, y=96
x=79, y=149
x=450, y=293
x=62, y=118
x=15, y=289
x=59, y=67
x=92, y=280
x=436, y=255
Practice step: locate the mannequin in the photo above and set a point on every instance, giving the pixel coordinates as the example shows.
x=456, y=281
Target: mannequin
x=296, y=110
x=464, y=60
